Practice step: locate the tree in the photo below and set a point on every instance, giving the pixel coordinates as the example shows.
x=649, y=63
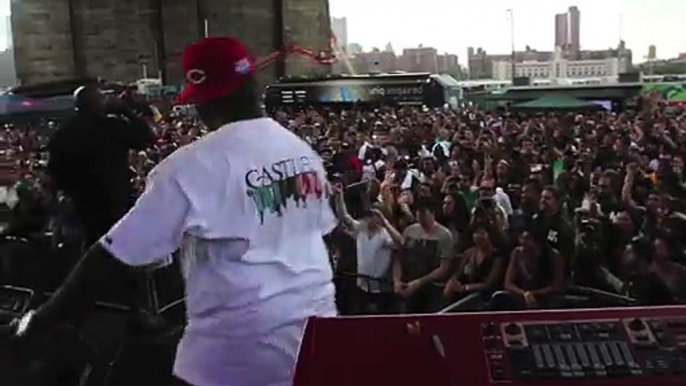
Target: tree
x=663, y=68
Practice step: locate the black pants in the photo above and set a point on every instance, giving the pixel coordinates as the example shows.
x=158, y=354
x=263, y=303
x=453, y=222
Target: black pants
x=179, y=382
x=370, y=303
x=426, y=300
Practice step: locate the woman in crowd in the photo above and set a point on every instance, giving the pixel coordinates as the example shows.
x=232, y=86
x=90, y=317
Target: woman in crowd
x=535, y=274
x=480, y=268
x=454, y=214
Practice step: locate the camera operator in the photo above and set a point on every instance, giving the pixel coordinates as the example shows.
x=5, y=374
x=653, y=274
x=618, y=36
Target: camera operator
x=89, y=158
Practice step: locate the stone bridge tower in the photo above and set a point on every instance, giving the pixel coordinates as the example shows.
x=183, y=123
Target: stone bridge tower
x=126, y=39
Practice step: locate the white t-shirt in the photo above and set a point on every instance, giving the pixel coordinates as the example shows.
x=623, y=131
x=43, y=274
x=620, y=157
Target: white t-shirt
x=248, y=205
x=369, y=171
x=373, y=256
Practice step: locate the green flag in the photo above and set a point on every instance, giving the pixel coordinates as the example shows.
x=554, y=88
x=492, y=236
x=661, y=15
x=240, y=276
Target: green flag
x=558, y=168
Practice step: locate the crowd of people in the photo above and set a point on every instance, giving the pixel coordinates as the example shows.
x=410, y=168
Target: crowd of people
x=436, y=205
x=516, y=209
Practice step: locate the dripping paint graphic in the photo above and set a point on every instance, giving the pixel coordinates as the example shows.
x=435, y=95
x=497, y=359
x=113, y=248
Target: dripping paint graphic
x=271, y=188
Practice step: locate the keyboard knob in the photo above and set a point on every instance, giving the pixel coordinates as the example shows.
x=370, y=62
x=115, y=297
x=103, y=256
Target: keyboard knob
x=636, y=325
x=490, y=329
x=513, y=329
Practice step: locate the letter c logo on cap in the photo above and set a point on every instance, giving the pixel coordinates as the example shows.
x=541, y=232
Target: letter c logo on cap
x=196, y=76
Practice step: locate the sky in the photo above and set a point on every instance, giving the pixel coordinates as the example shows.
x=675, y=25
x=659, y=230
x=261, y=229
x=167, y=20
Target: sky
x=453, y=25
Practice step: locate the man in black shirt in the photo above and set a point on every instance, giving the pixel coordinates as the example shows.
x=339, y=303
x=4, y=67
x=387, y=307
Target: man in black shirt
x=560, y=233
x=89, y=159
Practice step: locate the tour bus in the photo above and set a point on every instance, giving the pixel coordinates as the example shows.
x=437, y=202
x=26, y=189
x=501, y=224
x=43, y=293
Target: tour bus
x=425, y=89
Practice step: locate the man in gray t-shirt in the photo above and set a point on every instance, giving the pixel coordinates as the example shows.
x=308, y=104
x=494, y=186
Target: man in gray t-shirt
x=425, y=260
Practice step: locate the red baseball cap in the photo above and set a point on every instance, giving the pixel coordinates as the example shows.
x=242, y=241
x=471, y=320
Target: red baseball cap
x=214, y=67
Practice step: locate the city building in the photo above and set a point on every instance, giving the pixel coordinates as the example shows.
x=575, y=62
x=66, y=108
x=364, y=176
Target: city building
x=420, y=59
x=122, y=40
x=8, y=31
x=657, y=68
x=7, y=70
x=560, y=67
x=354, y=49
x=375, y=61
x=561, y=30
x=568, y=32
x=574, y=30
x=620, y=52
x=481, y=63
x=339, y=26
x=652, y=52
x=448, y=63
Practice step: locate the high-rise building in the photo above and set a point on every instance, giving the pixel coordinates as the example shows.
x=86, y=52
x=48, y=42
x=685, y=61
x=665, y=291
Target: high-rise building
x=8, y=29
x=568, y=32
x=420, y=59
x=574, y=30
x=561, y=30
x=652, y=52
x=339, y=26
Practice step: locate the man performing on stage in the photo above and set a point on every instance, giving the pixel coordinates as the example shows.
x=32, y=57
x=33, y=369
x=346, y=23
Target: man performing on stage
x=248, y=205
x=89, y=159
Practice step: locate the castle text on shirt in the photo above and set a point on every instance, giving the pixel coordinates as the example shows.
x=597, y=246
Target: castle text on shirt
x=270, y=187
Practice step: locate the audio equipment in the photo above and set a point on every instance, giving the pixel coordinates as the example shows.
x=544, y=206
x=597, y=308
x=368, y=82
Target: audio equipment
x=585, y=349
x=603, y=347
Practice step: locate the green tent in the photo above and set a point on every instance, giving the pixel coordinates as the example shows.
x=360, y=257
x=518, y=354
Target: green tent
x=557, y=102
